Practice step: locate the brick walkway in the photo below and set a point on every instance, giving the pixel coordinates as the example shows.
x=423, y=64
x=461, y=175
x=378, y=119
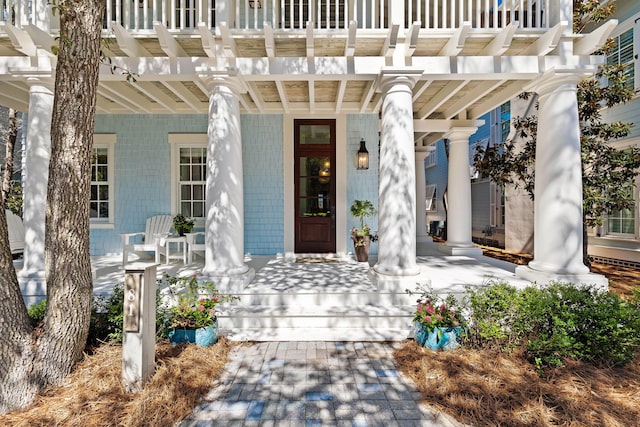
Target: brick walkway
x=314, y=384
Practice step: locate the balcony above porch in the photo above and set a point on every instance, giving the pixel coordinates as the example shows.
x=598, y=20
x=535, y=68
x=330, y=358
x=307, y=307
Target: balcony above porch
x=297, y=56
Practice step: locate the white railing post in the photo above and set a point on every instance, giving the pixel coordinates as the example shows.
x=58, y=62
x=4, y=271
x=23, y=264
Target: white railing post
x=396, y=14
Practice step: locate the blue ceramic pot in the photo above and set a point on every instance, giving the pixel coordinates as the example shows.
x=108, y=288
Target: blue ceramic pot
x=438, y=338
x=203, y=337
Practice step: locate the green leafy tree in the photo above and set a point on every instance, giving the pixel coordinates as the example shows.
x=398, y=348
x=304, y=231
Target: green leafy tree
x=32, y=359
x=608, y=173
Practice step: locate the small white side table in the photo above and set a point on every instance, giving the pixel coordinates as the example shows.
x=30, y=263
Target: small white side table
x=181, y=246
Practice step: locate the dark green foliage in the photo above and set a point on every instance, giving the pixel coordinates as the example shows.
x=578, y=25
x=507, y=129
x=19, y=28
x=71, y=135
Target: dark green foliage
x=557, y=322
x=36, y=312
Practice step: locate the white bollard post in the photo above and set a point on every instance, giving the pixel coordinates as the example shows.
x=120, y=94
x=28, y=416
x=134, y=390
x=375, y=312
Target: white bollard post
x=139, y=325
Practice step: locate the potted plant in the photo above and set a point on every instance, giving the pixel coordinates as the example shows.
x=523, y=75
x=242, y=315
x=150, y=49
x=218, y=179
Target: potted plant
x=192, y=313
x=182, y=224
x=438, y=322
x=362, y=237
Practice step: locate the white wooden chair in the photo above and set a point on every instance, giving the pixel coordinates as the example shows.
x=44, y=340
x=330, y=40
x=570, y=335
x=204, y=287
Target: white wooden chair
x=157, y=229
x=16, y=232
x=193, y=245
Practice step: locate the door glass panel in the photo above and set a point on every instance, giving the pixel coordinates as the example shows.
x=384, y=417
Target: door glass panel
x=314, y=186
x=315, y=166
x=315, y=134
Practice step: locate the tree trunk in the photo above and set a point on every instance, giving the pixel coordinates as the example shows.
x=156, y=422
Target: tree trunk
x=32, y=361
x=8, y=158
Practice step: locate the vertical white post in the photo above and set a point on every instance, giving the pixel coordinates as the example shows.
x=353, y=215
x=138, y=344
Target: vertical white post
x=558, y=219
x=224, y=227
x=139, y=329
x=397, y=186
x=35, y=179
x=421, y=188
x=459, y=194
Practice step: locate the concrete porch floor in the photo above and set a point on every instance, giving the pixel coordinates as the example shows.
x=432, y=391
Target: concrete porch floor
x=329, y=301
x=447, y=273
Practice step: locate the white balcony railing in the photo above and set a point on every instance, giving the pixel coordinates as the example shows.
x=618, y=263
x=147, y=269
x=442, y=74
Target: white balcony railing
x=184, y=15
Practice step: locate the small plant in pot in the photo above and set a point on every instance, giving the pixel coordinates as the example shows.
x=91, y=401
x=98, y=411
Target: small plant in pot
x=192, y=315
x=438, y=322
x=362, y=236
x=182, y=224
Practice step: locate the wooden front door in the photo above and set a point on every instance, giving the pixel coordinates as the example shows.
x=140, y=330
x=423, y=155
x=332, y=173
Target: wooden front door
x=315, y=185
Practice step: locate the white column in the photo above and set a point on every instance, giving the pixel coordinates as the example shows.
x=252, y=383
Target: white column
x=421, y=207
x=459, y=194
x=397, y=187
x=224, y=226
x=35, y=179
x=558, y=188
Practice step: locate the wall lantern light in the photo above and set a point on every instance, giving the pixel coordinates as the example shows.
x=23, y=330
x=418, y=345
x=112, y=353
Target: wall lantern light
x=363, y=156
x=255, y=4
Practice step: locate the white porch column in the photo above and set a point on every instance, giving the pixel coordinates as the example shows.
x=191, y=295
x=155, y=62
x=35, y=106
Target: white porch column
x=421, y=207
x=224, y=226
x=397, y=185
x=459, y=195
x=35, y=179
x=558, y=189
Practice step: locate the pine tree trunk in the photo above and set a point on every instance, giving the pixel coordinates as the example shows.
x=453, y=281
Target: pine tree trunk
x=32, y=361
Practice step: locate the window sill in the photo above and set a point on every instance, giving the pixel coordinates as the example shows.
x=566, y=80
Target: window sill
x=101, y=225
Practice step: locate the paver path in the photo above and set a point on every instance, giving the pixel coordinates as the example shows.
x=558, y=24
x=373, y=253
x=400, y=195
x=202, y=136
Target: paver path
x=314, y=384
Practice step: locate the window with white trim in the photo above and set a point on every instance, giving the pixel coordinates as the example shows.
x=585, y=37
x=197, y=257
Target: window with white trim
x=431, y=197
x=101, y=202
x=622, y=222
x=192, y=181
x=505, y=121
x=622, y=53
x=189, y=174
x=432, y=159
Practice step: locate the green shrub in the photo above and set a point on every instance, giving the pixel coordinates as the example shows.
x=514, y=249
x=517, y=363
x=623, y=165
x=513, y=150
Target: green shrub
x=582, y=323
x=495, y=316
x=36, y=312
x=557, y=322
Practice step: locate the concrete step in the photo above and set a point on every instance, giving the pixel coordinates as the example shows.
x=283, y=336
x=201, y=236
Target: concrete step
x=317, y=334
x=366, y=317
x=311, y=298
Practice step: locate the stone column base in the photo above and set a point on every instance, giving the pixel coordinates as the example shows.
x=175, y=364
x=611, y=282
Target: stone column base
x=544, y=278
x=387, y=282
x=472, y=251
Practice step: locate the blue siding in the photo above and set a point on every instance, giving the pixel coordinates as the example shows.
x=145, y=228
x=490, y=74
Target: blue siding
x=142, y=171
x=262, y=158
x=362, y=184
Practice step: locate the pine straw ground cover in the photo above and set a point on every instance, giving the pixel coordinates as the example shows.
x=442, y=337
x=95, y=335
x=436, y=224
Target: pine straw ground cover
x=484, y=388
x=93, y=394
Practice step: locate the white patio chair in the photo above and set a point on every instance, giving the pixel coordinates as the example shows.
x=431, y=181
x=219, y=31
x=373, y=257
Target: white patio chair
x=157, y=229
x=193, y=245
x=16, y=232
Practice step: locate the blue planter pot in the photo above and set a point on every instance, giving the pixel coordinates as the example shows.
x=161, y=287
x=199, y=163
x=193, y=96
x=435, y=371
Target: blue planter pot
x=438, y=338
x=203, y=337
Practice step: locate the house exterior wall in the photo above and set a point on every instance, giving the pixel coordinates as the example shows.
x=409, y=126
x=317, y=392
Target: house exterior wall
x=604, y=245
x=143, y=178
x=362, y=184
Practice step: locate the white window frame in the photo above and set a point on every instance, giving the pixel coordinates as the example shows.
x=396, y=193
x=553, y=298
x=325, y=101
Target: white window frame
x=430, y=194
x=633, y=22
x=107, y=141
x=432, y=159
x=178, y=141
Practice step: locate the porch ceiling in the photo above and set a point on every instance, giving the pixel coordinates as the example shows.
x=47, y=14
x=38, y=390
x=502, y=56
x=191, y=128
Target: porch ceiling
x=467, y=72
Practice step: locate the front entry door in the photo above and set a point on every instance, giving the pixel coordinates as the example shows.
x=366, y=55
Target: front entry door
x=315, y=185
